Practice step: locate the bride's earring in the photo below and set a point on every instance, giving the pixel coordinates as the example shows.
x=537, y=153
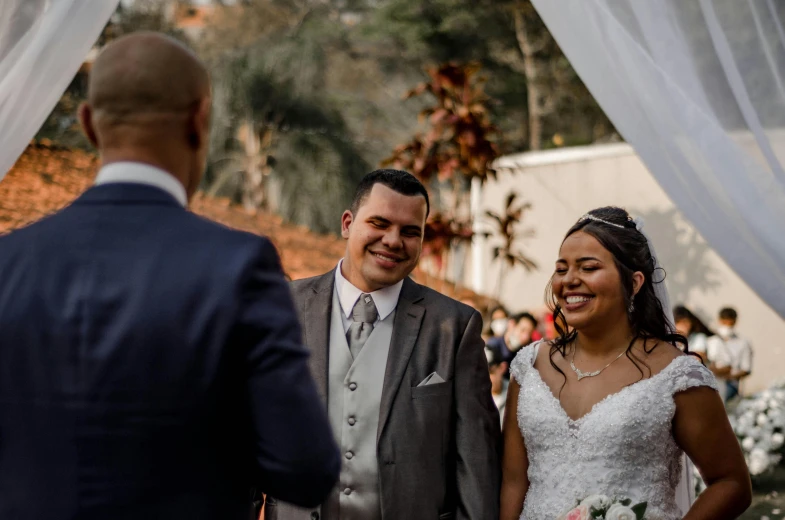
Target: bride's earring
x=631, y=309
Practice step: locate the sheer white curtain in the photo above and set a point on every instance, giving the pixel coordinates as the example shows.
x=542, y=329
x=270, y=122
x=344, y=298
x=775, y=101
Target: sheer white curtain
x=698, y=88
x=42, y=45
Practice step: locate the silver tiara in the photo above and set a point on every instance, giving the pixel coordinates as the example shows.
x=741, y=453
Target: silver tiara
x=589, y=216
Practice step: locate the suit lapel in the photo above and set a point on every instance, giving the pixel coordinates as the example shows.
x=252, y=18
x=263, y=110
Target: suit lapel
x=318, y=309
x=406, y=328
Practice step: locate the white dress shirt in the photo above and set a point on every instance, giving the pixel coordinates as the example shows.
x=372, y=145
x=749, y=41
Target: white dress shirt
x=140, y=173
x=732, y=351
x=385, y=299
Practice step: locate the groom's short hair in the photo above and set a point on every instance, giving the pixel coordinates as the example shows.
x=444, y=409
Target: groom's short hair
x=397, y=180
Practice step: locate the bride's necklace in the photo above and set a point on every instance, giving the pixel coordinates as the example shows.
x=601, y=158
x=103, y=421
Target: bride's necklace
x=581, y=374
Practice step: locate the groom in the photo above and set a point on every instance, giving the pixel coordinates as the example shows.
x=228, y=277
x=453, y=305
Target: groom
x=402, y=370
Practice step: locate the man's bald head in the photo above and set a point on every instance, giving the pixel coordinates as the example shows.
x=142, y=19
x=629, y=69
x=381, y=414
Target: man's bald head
x=146, y=74
x=149, y=101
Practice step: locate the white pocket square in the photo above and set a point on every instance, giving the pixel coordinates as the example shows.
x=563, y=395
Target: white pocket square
x=432, y=379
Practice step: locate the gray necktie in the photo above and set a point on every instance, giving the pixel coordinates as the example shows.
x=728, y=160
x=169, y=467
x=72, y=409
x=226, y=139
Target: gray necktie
x=364, y=315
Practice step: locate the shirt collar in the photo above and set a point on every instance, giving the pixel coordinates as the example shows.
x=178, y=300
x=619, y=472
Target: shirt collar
x=139, y=173
x=385, y=299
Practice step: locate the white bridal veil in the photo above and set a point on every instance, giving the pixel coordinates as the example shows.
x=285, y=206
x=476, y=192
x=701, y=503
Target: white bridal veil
x=698, y=88
x=42, y=45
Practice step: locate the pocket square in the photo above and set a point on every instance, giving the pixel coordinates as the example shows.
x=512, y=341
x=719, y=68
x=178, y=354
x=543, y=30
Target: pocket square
x=432, y=379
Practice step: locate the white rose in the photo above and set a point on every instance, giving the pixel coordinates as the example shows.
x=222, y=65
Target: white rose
x=620, y=512
x=777, y=440
x=766, y=394
x=775, y=415
x=773, y=403
x=760, y=405
x=748, y=443
x=758, y=461
x=596, y=502
x=762, y=419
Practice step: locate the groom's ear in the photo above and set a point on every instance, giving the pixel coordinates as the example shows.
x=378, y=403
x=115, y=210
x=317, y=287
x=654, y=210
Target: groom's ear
x=346, y=221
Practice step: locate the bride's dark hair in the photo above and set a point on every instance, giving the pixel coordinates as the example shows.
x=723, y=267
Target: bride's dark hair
x=631, y=253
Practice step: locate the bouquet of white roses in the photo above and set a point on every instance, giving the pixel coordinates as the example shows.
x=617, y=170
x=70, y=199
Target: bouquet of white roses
x=596, y=507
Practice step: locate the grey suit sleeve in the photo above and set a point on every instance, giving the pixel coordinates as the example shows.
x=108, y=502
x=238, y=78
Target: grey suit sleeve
x=296, y=457
x=478, y=434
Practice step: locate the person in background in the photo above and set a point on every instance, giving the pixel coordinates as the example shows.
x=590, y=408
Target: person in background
x=499, y=319
x=730, y=356
x=692, y=328
x=520, y=328
x=497, y=367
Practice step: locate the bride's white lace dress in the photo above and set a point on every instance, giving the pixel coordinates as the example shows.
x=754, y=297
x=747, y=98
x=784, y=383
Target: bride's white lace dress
x=623, y=447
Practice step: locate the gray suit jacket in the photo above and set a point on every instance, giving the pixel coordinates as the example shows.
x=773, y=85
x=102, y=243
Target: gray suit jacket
x=438, y=446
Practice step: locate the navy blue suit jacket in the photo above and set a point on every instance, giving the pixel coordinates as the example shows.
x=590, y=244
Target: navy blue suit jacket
x=151, y=366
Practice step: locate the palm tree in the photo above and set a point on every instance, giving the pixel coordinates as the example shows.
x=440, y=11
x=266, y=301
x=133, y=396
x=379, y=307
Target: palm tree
x=506, y=225
x=281, y=143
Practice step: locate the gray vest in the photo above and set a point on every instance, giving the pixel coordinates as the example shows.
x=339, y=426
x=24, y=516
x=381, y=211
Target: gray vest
x=353, y=399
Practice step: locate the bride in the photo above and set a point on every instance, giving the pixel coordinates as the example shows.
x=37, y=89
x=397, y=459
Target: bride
x=610, y=405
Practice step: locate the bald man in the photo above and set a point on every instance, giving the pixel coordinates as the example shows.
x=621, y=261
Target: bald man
x=151, y=364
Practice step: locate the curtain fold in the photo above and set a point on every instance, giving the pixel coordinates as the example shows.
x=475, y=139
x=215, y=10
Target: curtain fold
x=42, y=45
x=696, y=86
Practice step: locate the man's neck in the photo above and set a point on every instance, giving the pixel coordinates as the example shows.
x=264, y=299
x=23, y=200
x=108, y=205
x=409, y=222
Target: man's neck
x=355, y=279
x=115, y=155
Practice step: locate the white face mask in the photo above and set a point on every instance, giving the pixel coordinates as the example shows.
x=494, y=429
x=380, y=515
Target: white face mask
x=499, y=326
x=724, y=331
x=514, y=343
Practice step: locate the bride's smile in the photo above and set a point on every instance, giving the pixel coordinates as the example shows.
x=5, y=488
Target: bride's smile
x=586, y=283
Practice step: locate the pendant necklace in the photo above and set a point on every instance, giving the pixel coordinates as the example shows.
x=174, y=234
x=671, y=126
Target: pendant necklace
x=581, y=374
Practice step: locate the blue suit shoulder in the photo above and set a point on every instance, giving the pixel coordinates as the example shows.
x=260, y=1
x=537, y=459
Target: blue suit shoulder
x=213, y=232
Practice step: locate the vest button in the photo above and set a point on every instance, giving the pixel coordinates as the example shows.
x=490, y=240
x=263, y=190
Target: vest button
x=347, y=492
x=352, y=386
x=352, y=421
x=349, y=455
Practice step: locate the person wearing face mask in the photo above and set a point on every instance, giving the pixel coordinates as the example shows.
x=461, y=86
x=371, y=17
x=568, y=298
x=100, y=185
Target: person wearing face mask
x=730, y=355
x=519, y=332
x=499, y=319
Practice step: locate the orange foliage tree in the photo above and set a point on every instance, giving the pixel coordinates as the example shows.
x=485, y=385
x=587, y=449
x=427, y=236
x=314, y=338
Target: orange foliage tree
x=460, y=145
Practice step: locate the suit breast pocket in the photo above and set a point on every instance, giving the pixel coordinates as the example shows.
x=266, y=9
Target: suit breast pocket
x=420, y=392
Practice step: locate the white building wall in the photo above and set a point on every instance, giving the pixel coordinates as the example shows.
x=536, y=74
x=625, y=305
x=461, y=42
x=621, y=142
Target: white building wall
x=564, y=184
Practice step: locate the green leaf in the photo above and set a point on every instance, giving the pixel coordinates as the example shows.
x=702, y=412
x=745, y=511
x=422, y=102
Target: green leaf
x=626, y=502
x=640, y=510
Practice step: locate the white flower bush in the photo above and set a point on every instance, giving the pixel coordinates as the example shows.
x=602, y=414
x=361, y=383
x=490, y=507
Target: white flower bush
x=759, y=423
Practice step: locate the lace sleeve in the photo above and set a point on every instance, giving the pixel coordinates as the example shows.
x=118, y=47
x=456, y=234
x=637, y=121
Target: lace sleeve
x=691, y=373
x=523, y=361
